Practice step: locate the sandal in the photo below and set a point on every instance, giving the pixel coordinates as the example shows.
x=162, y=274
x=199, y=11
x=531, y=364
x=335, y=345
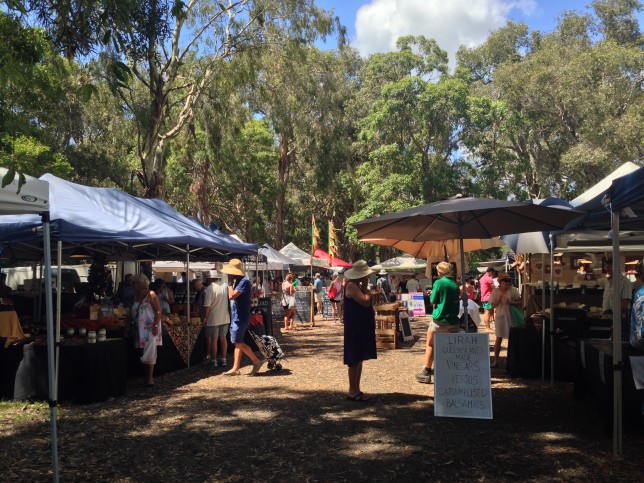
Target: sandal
x=360, y=397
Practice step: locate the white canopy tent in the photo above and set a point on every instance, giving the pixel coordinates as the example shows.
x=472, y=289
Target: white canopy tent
x=24, y=195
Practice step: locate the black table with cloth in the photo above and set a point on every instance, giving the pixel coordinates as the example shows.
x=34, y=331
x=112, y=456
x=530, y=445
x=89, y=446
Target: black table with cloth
x=169, y=357
x=594, y=380
x=87, y=372
x=10, y=358
x=524, y=352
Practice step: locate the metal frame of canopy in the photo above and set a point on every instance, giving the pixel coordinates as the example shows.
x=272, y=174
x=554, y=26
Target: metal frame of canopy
x=35, y=199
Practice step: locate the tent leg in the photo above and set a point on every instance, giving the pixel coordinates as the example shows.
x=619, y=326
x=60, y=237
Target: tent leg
x=543, y=316
x=189, y=317
x=58, y=311
x=50, y=346
x=552, y=312
x=617, y=342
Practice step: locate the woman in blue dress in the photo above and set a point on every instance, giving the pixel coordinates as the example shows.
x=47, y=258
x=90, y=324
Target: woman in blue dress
x=359, y=327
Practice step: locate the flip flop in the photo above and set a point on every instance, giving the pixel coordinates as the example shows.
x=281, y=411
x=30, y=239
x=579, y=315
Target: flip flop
x=360, y=397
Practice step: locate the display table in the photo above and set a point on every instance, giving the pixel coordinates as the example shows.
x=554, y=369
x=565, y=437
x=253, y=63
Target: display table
x=184, y=337
x=87, y=372
x=9, y=361
x=594, y=380
x=173, y=354
x=524, y=351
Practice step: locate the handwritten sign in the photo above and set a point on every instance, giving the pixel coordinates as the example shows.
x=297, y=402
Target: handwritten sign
x=463, y=387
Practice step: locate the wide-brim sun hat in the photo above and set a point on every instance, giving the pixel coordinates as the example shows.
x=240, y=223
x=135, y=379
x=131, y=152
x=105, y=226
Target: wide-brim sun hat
x=382, y=272
x=234, y=267
x=360, y=269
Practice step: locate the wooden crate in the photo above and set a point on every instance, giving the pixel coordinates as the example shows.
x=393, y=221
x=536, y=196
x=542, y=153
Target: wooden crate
x=386, y=328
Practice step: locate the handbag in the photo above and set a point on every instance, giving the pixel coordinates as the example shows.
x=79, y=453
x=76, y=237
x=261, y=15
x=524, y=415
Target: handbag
x=517, y=315
x=333, y=292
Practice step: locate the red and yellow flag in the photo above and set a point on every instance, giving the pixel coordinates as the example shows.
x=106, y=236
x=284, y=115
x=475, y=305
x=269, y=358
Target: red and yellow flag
x=333, y=243
x=315, y=236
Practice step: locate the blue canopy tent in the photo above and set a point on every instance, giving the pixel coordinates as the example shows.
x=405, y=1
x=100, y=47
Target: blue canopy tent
x=116, y=224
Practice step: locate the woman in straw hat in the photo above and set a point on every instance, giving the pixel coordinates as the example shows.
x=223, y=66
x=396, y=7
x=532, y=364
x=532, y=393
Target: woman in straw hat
x=359, y=327
x=240, y=292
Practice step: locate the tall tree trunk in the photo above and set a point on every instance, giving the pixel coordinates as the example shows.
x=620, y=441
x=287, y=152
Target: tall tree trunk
x=283, y=172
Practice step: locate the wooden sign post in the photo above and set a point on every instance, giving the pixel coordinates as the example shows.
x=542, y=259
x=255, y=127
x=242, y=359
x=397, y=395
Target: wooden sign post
x=463, y=387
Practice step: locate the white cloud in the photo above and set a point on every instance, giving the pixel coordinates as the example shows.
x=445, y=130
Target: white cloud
x=451, y=23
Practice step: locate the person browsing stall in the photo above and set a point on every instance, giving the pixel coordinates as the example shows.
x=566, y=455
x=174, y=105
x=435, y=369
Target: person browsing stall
x=335, y=296
x=486, y=285
x=146, y=316
x=412, y=284
x=216, y=320
x=445, y=298
x=318, y=290
x=625, y=290
x=240, y=294
x=501, y=299
x=359, y=327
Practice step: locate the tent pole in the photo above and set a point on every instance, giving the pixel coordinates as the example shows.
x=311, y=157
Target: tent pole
x=617, y=341
x=543, y=316
x=552, y=311
x=189, y=318
x=50, y=346
x=59, y=281
x=466, y=319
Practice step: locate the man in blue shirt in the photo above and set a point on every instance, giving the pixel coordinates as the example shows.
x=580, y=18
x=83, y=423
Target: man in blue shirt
x=318, y=289
x=240, y=294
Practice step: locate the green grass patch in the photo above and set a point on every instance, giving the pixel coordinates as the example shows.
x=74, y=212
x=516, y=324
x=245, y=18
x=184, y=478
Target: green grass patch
x=19, y=413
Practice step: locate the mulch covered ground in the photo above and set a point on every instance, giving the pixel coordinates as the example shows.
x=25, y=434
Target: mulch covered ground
x=296, y=425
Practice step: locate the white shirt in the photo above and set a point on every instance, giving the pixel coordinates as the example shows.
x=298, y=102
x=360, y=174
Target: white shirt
x=412, y=285
x=625, y=291
x=216, y=297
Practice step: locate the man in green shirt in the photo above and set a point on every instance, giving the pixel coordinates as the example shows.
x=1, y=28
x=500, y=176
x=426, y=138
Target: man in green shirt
x=445, y=297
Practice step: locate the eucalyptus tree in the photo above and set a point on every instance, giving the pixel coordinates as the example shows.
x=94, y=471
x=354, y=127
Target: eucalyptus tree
x=204, y=35
x=555, y=112
x=38, y=109
x=302, y=93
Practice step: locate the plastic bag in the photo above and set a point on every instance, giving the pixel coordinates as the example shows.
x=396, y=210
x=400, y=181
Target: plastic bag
x=518, y=318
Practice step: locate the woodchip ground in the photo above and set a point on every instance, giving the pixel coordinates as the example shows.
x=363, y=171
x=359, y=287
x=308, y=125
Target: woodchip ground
x=296, y=425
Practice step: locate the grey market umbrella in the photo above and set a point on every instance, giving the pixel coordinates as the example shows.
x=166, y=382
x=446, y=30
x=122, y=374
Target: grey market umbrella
x=461, y=218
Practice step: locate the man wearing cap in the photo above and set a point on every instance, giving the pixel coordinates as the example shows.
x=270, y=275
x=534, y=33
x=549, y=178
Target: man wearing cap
x=240, y=293
x=445, y=297
x=318, y=289
x=216, y=319
x=486, y=283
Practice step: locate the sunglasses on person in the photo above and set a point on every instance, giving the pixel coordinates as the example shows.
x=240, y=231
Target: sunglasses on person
x=505, y=280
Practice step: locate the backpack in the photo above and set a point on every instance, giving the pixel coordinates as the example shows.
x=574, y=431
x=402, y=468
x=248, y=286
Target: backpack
x=333, y=292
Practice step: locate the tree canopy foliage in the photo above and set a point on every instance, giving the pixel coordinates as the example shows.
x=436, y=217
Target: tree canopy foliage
x=233, y=114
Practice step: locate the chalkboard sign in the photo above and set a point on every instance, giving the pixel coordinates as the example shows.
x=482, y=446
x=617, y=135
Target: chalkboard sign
x=462, y=368
x=304, y=305
x=264, y=304
x=404, y=327
x=276, y=305
x=326, y=307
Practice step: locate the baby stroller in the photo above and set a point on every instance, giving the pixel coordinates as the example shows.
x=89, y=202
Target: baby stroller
x=270, y=349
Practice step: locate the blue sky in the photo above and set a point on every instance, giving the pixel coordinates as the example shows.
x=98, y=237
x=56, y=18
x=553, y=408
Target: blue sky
x=373, y=25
